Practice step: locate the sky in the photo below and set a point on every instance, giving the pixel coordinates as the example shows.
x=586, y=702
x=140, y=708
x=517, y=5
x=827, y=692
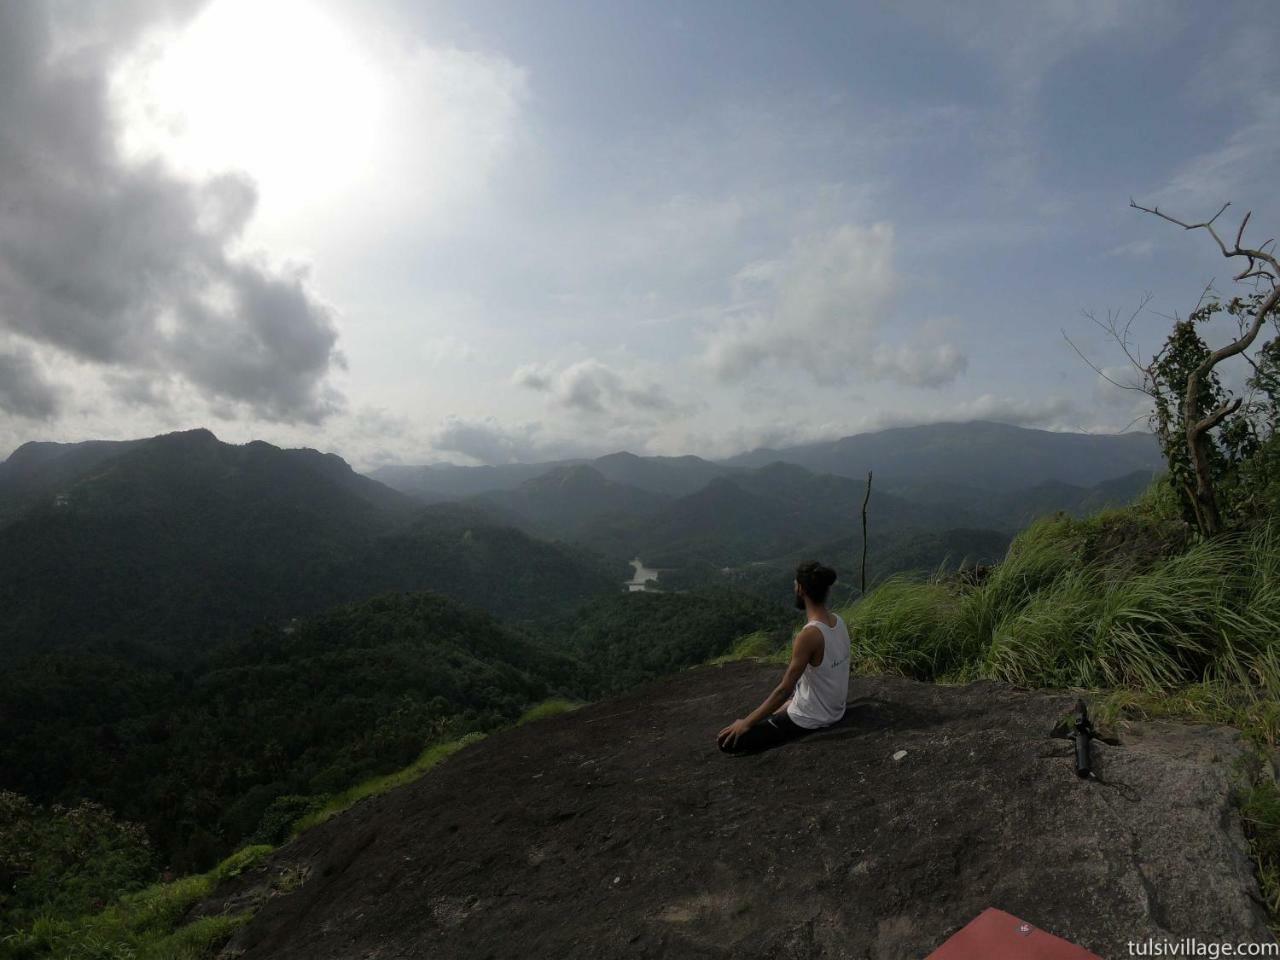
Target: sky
x=486, y=232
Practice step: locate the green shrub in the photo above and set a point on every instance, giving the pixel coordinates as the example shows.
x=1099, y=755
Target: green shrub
x=1261, y=814
x=61, y=861
x=139, y=926
x=278, y=819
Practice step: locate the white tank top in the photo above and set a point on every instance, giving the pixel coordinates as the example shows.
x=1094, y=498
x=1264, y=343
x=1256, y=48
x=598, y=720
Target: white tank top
x=822, y=690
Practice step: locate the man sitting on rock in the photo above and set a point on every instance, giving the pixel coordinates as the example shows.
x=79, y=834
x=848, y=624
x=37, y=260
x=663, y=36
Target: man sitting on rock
x=813, y=689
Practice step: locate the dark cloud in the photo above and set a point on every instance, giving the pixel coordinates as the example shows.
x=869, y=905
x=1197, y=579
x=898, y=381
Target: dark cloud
x=128, y=265
x=23, y=390
x=137, y=390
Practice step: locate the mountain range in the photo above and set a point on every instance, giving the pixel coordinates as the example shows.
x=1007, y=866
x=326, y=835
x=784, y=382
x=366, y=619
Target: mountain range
x=179, y=541
x=979, y=455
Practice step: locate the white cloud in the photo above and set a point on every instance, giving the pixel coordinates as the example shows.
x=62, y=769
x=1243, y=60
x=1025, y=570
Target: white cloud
x=486, y=440
x=822, y=310
x=1052, y=412
x=348, y=130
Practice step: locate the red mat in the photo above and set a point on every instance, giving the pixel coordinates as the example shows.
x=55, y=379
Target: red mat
x=996, y=935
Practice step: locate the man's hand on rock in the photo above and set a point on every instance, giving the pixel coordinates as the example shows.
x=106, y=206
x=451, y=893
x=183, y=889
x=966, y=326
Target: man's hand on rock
x=730, y=734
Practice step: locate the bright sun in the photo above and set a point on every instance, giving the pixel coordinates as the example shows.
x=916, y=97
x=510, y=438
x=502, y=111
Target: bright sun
x=278, y=90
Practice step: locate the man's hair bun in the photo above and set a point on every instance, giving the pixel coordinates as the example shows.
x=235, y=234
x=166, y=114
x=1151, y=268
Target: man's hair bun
x=815, y=580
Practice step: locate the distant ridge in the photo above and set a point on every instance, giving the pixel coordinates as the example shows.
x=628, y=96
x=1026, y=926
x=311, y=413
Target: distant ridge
x=567, y=500
x=979, y=453
x=671, y=476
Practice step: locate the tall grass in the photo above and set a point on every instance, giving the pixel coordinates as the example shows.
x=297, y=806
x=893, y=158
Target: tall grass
x=1053, y=614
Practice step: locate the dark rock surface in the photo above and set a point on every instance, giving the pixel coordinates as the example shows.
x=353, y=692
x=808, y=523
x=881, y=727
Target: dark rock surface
x=620, y=831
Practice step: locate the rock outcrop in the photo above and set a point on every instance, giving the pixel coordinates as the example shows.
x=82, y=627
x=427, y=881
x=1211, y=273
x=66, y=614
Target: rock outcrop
x=621, y=831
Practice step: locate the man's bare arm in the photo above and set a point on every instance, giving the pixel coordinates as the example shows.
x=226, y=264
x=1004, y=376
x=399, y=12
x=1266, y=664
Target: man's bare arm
x=802, y=650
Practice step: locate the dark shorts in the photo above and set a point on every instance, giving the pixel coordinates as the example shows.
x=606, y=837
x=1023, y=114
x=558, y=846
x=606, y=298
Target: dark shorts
x=773, y=731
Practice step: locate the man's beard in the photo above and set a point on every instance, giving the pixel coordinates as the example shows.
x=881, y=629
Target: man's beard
x=799, y=602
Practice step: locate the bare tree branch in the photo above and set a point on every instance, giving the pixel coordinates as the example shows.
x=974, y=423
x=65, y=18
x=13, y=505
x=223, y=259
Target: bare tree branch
x=1098, y=370
x=1234, y=251
x=1121, y=336
x=1243, y=223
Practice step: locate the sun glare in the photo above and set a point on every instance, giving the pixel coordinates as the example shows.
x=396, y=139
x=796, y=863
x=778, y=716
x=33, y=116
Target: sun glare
x=279, y=91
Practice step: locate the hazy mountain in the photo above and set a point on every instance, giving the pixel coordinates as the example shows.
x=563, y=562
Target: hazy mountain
x=762, y=522
x=447, y=481
x=890, y=552
x=675, y=476
x=990, y=455
x=1017, y=509
x=757, y=514
x=181, y=540
x=566, y=501
x=929, y=463
x=459, y=552
x=1013, y=509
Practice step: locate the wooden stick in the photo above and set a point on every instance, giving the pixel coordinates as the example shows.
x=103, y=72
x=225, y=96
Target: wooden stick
x=864, y=534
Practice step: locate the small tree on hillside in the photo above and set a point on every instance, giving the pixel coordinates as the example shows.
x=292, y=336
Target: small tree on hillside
x=1204, y=406
x=1204, y=432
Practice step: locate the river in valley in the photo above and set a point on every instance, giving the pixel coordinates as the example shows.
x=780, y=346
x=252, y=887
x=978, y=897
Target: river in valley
x=641, y=574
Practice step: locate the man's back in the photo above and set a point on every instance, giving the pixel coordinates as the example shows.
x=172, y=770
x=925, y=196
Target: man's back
x=822, y=690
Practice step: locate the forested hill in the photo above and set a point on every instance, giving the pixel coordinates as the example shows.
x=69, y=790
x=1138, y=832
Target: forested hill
x=171, y=543
x=39, y=469
x=273, y=724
